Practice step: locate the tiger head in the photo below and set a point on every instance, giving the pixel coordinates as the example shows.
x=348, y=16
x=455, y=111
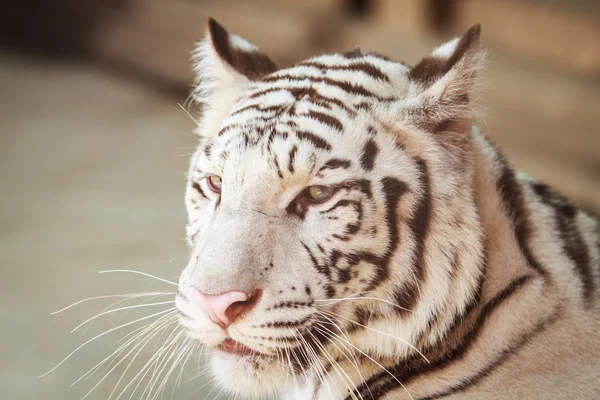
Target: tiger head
x=331, y=208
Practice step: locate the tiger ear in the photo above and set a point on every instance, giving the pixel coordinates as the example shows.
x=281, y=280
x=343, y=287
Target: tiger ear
x=443, y=83
x=224, y=63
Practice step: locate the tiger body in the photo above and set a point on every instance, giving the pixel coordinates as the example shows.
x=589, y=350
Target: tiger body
x=430, y=268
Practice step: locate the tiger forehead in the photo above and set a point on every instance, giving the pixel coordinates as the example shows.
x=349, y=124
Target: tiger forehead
x=339, y=80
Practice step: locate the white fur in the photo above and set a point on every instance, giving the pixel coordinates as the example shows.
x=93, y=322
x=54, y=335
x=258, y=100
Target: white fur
x=233, y=244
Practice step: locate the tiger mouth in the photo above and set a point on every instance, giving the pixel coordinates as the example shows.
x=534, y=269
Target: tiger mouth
x=232, y=346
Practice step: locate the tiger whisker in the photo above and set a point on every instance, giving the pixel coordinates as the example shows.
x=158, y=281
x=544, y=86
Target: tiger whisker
x=335, y=365
x=287, y=353
x=131, y=295
x=188, y=114
x=160, y=362
x=145, y=301
x=125, y=300
x=142, y=327
x=377, y=363
x=219, y=394
x=187, y=349
x=346, y=297
x=313, y=357
x=202, y=370
x=121, y=309
x=146, y=330
x=100, y=335
x=108, y=373
x=319, y=368
x=376, y=331
x=174, y=358
x=192, y=350
x=139, y=273
x=211, y=390
x=304, y=373
x=366, y=298
x=354, y=361
x=146, y=341
x=210, y=381
x=178, y=356
x=149, y=364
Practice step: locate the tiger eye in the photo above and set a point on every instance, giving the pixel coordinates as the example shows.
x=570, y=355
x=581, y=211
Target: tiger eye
x=319, y=194
x=214, y=183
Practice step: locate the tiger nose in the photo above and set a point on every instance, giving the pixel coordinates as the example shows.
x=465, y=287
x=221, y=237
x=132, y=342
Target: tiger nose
x=223, y=309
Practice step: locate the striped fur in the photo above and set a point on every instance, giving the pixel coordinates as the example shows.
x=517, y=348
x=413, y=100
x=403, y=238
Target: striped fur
x=434, y=270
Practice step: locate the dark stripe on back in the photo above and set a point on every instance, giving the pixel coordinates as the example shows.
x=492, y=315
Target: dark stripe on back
x=511, y=194
x=407, y=370
x=573, y=244
x=504, y=355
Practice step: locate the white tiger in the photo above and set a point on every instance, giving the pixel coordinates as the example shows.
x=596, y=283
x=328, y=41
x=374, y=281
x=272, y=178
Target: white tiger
x=354, y=236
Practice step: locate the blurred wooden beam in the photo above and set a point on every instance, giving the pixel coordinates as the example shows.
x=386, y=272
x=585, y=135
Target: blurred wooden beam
x=536, y=30
x=158, y=36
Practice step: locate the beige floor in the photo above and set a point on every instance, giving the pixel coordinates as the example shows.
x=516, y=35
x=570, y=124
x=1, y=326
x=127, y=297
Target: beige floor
x=92, y=179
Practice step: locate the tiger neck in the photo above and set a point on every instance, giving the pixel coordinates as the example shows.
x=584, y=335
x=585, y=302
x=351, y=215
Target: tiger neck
x=448, y=333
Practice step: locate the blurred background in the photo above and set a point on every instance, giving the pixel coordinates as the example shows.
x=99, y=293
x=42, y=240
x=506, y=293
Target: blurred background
x=94, y=145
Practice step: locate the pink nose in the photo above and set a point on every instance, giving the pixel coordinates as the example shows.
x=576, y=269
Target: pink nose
x=226, y=307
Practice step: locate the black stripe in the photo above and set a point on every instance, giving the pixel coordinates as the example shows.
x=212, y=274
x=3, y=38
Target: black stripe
x=573, y=244
x=292, y=158
x=313, y=94
x=326, y=119
x=407, y=296
x=365, y=67
x=343, y=85
x=511, y=194
x=393, y=190
x=284, y=324
x=336, y=163
x=341, y=203
x=257, y=107
x=324, y=269
x=207, y=149
x=277, y=167
x=369, y=154
x=315, y=140
x=291, y=304
x=407, y=370
x=198, y=189
x=504, y=355
x=227, y=128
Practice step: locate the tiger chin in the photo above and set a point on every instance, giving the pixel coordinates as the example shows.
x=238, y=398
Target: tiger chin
x=353, y=235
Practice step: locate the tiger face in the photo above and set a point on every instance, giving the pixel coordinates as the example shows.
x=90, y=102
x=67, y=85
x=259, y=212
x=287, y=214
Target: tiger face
x=309, y=201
